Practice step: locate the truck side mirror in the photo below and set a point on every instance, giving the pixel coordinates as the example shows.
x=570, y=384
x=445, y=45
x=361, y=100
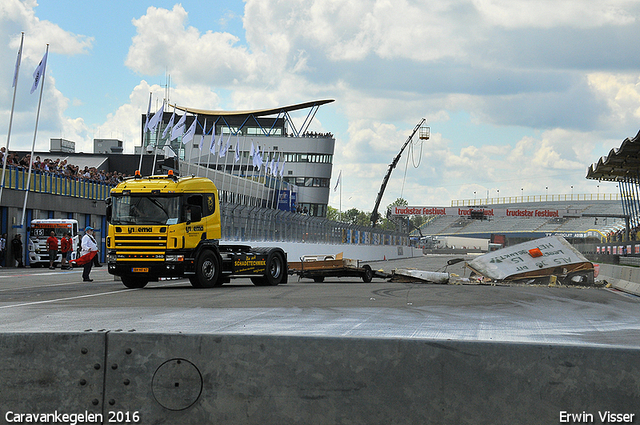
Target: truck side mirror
x=109, y=202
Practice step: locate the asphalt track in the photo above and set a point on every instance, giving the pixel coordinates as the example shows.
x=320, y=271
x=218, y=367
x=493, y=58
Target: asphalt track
x=43, y=300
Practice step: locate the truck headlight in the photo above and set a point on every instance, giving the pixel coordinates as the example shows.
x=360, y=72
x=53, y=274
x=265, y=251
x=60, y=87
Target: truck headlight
x=175, y=258
x=112, y=257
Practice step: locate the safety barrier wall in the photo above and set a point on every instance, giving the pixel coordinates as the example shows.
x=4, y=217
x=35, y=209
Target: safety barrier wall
x=624, y=278
x=124, y=377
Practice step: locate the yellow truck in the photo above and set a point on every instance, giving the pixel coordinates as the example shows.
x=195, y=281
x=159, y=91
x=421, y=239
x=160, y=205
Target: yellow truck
x=165, y=226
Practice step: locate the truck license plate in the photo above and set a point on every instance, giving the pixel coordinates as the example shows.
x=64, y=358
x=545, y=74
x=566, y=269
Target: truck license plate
x=140, y=270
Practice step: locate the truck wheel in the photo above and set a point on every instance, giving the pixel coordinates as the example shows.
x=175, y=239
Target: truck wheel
x=275, y=268
x=134, y=282
x=208, y=270
x=194, y=282
x=259, y=281
x=368, y=274
x=318, y=279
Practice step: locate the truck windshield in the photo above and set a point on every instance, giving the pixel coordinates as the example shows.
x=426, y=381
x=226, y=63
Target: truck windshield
x=145, y=210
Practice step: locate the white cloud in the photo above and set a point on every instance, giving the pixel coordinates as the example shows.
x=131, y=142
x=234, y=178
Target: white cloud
x=550, y=13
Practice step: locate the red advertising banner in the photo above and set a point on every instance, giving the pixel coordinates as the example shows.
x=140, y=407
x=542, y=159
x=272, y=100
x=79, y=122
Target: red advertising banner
x=487, y=212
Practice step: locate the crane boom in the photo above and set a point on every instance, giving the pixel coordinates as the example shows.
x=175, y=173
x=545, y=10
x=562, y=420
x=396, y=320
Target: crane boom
x=385, y=180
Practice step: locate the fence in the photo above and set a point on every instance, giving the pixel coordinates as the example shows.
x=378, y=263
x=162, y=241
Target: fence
x=536, y=198
x=54, y=184
x=242, y=222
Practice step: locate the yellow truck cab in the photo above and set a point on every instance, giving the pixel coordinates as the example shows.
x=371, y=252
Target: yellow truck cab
x=165, y=226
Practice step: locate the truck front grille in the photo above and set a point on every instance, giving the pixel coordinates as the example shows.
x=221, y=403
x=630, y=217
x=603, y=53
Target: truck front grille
x=140, y=247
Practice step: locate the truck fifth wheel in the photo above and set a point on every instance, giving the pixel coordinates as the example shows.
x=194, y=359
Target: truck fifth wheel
x=164, y=226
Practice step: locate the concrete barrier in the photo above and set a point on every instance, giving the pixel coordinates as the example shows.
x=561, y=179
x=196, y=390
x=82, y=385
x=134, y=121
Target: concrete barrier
x=295, y=250
x=624, y=278
x=195, y=379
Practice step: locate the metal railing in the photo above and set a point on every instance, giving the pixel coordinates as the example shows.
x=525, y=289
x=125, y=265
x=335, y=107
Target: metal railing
x=253, y=223
x=537, y=198
x=16, y=178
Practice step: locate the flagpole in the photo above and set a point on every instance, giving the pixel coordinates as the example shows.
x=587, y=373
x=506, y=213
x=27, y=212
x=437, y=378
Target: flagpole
x=144, y=133
x=219, y=146
x=246, y=172
x=226, y=157
x=155, y=147
x=190, y=142
x=211, y=143
x=13, y=102
x=265, y=181
x=253, y=170
x=35, y=132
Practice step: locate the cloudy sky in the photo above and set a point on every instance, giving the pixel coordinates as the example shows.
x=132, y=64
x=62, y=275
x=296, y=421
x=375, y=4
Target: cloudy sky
x=521, y=96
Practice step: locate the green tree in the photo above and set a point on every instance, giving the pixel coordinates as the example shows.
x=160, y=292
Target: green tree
x=333, y=214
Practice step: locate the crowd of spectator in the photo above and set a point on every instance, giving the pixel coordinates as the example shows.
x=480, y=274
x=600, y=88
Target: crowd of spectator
x=60, y=168
x=314, y=134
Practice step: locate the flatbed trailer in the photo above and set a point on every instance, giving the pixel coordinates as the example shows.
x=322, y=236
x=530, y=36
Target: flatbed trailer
x=319, y=267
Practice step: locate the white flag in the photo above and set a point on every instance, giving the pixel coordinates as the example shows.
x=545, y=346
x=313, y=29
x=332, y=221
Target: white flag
x=252, y=151
x=18, y=60
x=168, y=152
x=282, y=167
x=146, y=122
x=212, y=146
x=237, y=155
x=166, y=129
x=225, y=149
x=338, y=181
x=153, y=122
x=38, y=74
x=178, y=129
x=257, y=158
x=188, y=136
x=204, y=132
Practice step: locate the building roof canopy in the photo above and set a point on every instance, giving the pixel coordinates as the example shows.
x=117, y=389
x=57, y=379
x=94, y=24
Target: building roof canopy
x=257, y=112
x=621, y=164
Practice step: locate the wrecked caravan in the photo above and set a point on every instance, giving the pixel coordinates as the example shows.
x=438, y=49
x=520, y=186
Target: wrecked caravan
x=547, y=259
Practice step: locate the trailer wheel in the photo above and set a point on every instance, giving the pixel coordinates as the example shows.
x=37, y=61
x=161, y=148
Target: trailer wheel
x=275, y=268
x=208, y=270
x=368, y=274
x=318, y=279
x=134, y=282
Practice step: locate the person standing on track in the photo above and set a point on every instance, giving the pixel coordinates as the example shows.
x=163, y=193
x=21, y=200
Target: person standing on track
x=65, y=249
x=52, y=247
x=88, y=245
x=16, y=248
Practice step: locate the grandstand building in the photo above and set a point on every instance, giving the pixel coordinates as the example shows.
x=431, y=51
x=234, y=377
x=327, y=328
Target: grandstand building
x=590, y=219
x=295, y=165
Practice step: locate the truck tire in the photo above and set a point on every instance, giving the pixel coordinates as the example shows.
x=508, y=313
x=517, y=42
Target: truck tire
x=208, y=270
x=275, y=268
x=194, y=282
x=132, y=282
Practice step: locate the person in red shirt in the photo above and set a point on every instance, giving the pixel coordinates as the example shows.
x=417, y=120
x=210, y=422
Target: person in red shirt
x=65, y=249
x=52, y=246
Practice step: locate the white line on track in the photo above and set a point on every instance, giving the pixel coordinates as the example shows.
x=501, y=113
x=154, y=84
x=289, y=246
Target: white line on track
x=119, y=291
